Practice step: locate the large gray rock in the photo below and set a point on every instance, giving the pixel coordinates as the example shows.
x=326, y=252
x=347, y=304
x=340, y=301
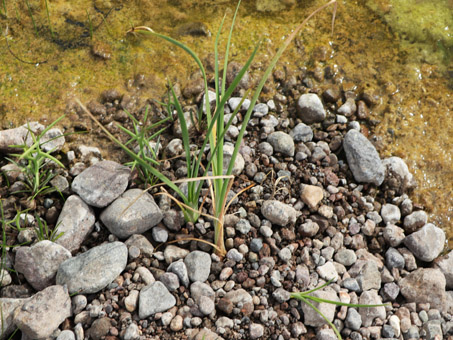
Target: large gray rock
x=427, y=243
x=368, y=314
x=363, y=159
x=93, y=270
x=101, y=183
x=41, y=315
x=134, y=212
x=445, y=264
x=153, y=299
x=425, y=285
x=282, y=142
x=7, y=308
x=310, y=108
x=279, y=213
x=39, y=263
x=198, y=265
x=314, y=319
x=76, y=222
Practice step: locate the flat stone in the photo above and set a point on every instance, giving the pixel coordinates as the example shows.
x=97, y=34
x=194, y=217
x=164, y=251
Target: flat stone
x=363, y=159
x=327, y=272
x=279, y=213
x=155, y=298
x=101, y=183
x=311, y=195
x=39, y=263
x=173, y=253
x=445, y=264
x=41, y=315
x=198, y=265
x=93, y=270
x=369, y=276
x=414, y=287
x=76, y=222
x=282, y=142
x=427, y=243
x=17, y=136
x=311, y=317
x=142, y=243
x=368, y=314
x=134, y=212
x=310, y=108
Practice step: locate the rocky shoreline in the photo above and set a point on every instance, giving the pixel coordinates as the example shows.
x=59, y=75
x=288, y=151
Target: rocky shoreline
x=325, y=206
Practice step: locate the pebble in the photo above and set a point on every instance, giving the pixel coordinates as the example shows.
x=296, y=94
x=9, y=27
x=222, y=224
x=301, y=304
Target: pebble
x=393, y=235
x=173, y=253
x=134, y=212
x=66, y=335
x=260, y=110
x=180, y=269
x=101, y=183
x=348, y=108
x=79, y=302
x=177, y=323
x=327, y=272
x=346, y=257
x=170, y=280
x=397, y=168
x=393, y=259
x=415, y=221
x=154, y=298
x=369, y=314
x=309, y=228
x=427, y=243
x=130, y=302
x=198, y=265
x=353, y=319
x=41, y=315
x=235, y=255
x=76, y=222
x=326, y=334
x=39, y=263
x=243, y=226
x=279, y=213
x=159, y=234
x=390, y=291
x=256, y=331
x=234, y=102
x=146, y=276
x=301, y=133
x=310, y=108
x=312, y=195
x=132, y=332
x=282, y=142
x=445, y=265
x=314, y=319
x=390, y=213
x=369, y=277
x=99, y=328
x=93, y=270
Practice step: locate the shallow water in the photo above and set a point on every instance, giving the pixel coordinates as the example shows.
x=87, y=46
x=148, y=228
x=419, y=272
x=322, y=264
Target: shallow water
x=42, y=69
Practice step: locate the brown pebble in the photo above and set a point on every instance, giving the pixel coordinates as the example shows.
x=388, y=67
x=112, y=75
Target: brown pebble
x=362, y=110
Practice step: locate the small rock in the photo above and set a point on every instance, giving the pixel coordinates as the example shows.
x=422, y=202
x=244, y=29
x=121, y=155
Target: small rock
x=173, y=253
x=301, y=133
x=198, y=265
x=101, y=183
x=41, y=315
x=8, y=307
x=180, y=269
x=326, y=334
x=346, y=257
x=327, y=272
x=393, y=235
x=66, y=335
x=177, y=323
x=314, y=319
x=427, y=243
x=396, y=168
x=170, y=280
x=309, y=228
x=445, y=264
x=155, y=298
x=393, y=259
x=256, y=331
x=142, y=243
x=390, y=213
x=243, y=226
x=312, y=195
x=76, y=222
x=369, y=277
x=159, y=234
x=130, y=302
x=363, y=159
x=368, y=314
x=52, y=141
x=235, y=255
x=279, y=213
x=134, y=212
x=93, y=270
x=282, y=142
x=353, y=319
x=310, y=108
x=415, y=221
x=99, y=329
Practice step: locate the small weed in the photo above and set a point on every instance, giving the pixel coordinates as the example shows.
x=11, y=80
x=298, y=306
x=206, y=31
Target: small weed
x=44, y=233
x=33, y=165
x=48, y=19
x=305, y=297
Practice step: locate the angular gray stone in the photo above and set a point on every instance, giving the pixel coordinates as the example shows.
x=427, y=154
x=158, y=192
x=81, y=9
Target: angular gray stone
x=142, y=243
x=52, y=141
x=170, y=280
x=153, y=299
x=7, y=308
x=368, y=314
x=427, y=243
x=279, y=213
x=93, y=270
x=76, y=222
x=180, y=269
x=414, y=287
x=393, y=259
x=326, y=334
x=311, y=317
x=256, y=330
x=363, y=159
x=18, y=136
x=445, y=264
x=393, y=235
x=397, y=168
x=173, y=253
x=101, y=183
x=346, y=257
x=310, y=108
x=198, y=265
x=353, y=319
x=301, y=133
x=369, y=277
x=239, y=163
x=134, y=212
x=282, y=142
x=41, y=315
x=39, y=263
x=199, y=289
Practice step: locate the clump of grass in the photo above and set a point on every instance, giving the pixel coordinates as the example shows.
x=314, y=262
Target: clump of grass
x=33, y=163
x=221, y=180
x=305, y=297
x=43, y=231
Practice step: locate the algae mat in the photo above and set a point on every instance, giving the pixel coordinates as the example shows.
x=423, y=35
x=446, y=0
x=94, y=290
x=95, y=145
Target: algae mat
x=49, y=54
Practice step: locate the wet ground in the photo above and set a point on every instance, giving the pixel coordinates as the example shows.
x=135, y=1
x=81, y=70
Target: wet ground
x=48, y=56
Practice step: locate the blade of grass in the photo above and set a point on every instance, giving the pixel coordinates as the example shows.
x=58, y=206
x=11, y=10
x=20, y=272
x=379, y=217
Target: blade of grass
x=32, y=18
x=48, y=19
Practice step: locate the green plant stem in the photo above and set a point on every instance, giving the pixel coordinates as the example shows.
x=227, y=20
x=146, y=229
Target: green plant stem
x=4, y=9
x=32, y=18
x=48, y=19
